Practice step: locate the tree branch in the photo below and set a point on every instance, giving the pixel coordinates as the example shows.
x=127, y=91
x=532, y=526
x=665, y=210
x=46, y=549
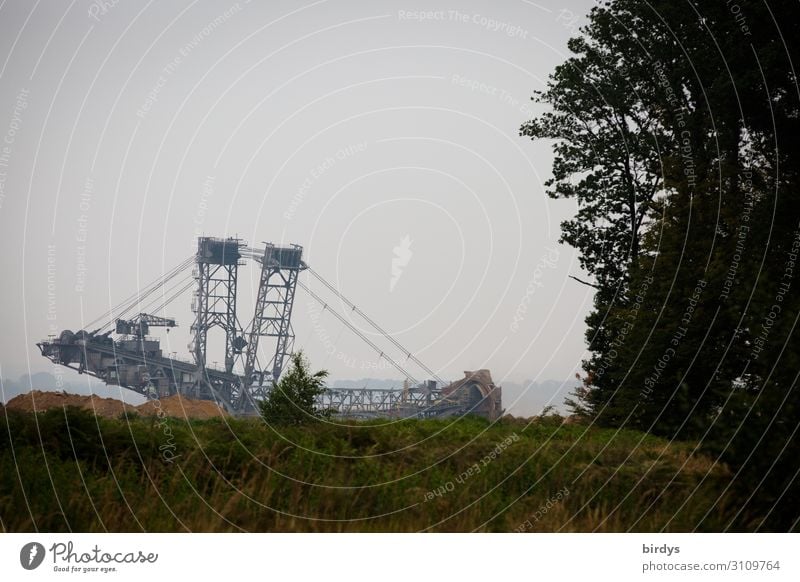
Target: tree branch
x=584, y=282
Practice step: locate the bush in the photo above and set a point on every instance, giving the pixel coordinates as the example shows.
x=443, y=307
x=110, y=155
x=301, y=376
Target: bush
x=292, y=400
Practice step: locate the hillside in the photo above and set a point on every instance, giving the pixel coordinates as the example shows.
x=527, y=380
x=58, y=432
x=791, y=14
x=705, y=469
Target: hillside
x=83, y=473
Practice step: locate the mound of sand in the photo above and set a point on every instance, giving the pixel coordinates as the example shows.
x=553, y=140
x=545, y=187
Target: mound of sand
x=176, y=406
x=182, y=407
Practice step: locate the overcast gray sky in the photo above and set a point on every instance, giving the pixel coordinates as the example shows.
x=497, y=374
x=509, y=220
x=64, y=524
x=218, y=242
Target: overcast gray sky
x=364, y=131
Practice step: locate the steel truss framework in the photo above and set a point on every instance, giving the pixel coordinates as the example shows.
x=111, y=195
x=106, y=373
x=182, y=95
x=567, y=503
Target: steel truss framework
x=135, y=361
x=136, y=365
x=422, y=401
x=280, y=267
x=214, y=304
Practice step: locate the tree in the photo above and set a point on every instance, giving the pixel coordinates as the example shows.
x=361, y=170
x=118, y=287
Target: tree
x=606, y=154
x=648, y=127
x=617, y=124
x=694, y=332
x=292, y=401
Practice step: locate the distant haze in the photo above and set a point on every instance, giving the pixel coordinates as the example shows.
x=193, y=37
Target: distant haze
x=519, y=399
x=381, y=138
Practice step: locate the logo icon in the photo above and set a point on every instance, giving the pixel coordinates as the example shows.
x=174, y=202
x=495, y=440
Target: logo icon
x=31, y=555
x=402, y=255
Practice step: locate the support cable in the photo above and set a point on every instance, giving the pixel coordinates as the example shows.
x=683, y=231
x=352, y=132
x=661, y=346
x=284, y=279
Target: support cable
x=378, y=328
x=178, y=293
x=137, y=297
x=356, y=331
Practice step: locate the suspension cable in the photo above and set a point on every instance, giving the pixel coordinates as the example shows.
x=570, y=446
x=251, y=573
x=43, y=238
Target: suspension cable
x=356, y=331
x=184, y=286
x=142, y=297
x=136, y=297
x=139, y=295
x=375, y=326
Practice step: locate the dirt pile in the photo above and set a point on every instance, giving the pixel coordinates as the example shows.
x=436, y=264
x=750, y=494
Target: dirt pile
x=176, y=406
x=38, y=400
x=182, y=407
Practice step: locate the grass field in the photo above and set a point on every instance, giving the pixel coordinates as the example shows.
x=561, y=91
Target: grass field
x=66, y=470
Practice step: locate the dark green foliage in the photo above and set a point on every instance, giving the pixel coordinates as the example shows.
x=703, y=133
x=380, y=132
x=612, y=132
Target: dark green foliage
x=292, y=399
x=688, y=115
x=237, y=474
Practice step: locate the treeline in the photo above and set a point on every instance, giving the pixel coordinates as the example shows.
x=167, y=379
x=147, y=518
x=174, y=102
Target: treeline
x=676, y=128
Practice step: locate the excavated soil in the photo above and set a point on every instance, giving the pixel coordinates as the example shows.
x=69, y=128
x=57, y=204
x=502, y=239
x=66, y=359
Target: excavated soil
x=182, y=407
x=176, y=406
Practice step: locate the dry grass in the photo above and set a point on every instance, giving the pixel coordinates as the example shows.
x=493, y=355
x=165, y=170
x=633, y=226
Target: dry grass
x=68, y=470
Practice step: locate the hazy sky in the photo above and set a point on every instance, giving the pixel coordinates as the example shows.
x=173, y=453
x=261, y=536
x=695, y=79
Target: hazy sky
x=365, y=131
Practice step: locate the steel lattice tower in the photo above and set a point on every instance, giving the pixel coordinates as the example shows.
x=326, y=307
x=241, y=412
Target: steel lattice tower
x=280, y=267
x=214, y=304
